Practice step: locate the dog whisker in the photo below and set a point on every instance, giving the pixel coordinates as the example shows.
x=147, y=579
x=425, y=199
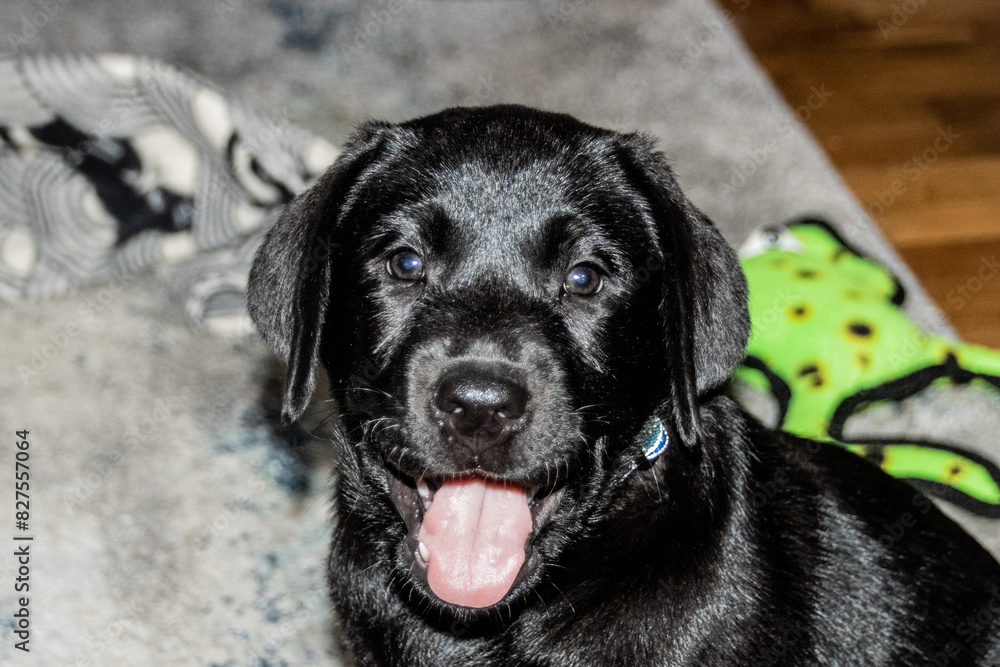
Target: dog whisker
x=565, y=597
x=380, y=424
x=363, y=387
x=541, y=600
x=584, y=408
x=354, y=505
x=374, y=565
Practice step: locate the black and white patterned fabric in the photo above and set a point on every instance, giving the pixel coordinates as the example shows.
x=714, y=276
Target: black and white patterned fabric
x=112, y=166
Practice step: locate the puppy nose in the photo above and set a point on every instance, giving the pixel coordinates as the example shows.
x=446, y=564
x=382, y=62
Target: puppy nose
x=480, y=410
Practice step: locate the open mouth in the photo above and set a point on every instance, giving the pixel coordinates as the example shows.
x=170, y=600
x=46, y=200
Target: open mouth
x=472, y=537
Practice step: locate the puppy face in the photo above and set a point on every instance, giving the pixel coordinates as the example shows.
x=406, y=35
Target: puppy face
x=504, y=300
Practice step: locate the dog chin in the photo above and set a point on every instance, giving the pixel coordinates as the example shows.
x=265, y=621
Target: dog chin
x=471, y=540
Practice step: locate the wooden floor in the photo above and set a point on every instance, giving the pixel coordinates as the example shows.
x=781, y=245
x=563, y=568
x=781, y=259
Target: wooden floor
x=913, y=125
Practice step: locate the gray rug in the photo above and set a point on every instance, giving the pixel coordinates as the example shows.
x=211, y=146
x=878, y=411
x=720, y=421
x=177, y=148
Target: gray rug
x=173, y=521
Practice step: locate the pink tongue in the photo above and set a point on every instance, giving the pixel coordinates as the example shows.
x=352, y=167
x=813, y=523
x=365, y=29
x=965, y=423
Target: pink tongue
x=475, y=531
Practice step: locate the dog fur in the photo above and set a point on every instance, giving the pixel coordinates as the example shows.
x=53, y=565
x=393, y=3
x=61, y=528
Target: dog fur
x=556, y=265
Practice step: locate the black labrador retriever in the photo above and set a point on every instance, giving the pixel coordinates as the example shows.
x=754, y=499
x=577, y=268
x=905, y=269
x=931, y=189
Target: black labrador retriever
x=525, y=325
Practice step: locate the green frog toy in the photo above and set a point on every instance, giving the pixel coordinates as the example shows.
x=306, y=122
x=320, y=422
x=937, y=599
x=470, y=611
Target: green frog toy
x=830, y=338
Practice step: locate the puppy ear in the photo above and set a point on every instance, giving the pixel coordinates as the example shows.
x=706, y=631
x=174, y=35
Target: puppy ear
x=289, y=286
x=704, y=307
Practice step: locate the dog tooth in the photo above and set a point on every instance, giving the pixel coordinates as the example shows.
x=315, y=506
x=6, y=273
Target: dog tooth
x=425, y=492
x=424, y=552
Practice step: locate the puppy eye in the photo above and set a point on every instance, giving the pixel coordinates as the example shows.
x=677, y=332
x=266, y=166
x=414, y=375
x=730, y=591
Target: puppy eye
x=405, y=265
x=583, y=281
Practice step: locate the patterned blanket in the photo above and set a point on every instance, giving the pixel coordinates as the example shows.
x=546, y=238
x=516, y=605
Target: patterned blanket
x=111, y=166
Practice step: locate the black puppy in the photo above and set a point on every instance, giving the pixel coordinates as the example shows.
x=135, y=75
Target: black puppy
x=525, y=324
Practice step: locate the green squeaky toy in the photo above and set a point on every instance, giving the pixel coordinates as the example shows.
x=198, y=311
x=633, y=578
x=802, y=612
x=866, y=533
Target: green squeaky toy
x=830, y=338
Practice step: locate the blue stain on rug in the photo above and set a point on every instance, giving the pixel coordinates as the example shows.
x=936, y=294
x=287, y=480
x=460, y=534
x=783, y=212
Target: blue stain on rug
x=308, y=27
x=274, y=461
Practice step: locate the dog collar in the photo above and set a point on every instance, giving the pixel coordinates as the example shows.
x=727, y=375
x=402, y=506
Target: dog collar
x=655, y=440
